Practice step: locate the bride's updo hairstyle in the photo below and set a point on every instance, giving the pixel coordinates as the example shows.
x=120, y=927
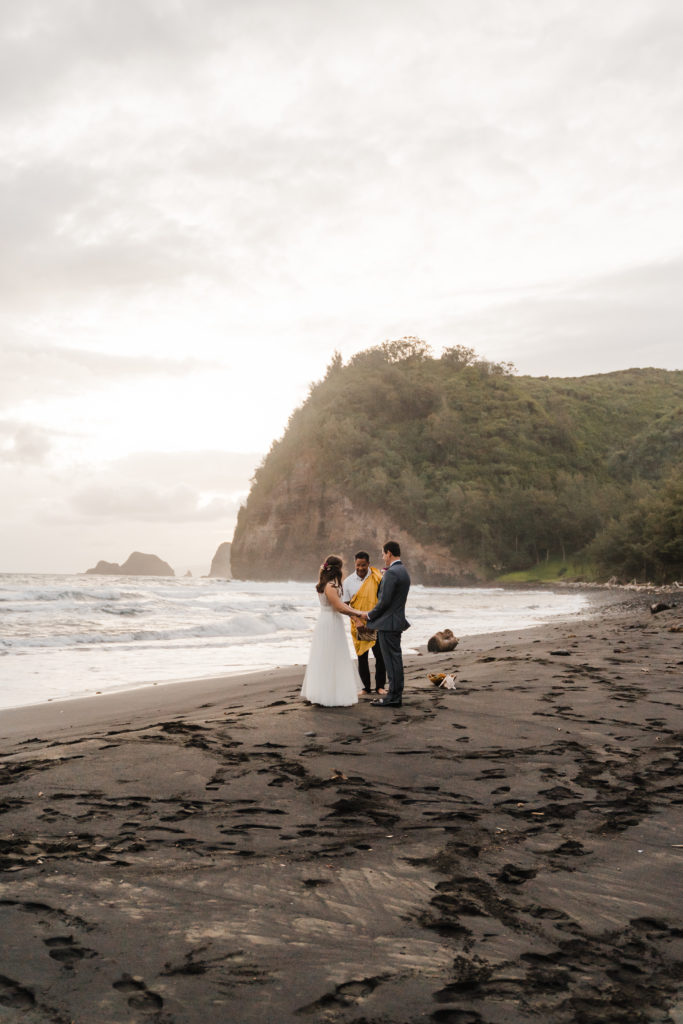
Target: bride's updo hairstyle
x=330, y=572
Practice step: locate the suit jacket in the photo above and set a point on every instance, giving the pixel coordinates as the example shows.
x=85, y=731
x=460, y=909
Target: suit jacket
x=389, y=613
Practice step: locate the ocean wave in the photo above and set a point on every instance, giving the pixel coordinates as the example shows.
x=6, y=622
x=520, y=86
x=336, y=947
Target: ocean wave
x=107, y=609
x=25, y=597
x=64, y=635
x=238, y=627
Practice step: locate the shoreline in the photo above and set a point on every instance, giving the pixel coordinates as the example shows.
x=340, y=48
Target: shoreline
x=502, y=853
x=146, y=698
x=595, y=602
x=32, y=672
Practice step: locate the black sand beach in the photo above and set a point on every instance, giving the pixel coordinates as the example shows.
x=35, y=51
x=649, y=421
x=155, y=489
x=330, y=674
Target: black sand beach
x=506, y=852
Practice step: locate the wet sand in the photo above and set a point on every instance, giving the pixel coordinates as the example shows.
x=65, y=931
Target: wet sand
x=509, y=851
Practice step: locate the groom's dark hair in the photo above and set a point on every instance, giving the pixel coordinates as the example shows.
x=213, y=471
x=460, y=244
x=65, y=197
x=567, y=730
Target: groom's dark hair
x=362, y=554
x=393, y=547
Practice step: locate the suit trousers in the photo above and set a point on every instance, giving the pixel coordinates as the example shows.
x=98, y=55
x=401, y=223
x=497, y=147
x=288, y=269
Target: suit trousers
x=390, y=644
x=364, y=669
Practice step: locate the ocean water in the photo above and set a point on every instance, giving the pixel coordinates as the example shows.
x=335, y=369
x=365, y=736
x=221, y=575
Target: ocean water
x=72, y=636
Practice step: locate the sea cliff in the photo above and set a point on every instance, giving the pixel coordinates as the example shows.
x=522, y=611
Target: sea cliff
x=305, y=519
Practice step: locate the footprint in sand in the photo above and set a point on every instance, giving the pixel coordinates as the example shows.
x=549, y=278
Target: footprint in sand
x=348, y=994
x=512, y=874
x=66, y=950
x=15, y=995
x=139, y=996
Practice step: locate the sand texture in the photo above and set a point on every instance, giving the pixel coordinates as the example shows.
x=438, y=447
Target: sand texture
x=506, y=852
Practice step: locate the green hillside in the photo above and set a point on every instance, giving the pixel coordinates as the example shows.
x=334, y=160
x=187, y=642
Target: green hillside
x=506, y=470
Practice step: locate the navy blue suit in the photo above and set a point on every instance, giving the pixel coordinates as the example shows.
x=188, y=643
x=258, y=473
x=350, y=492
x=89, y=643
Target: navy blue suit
x=388, y=617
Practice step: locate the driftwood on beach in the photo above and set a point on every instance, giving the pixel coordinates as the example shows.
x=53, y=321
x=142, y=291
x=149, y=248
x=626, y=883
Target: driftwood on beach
x=442, y=642
x=660, y=606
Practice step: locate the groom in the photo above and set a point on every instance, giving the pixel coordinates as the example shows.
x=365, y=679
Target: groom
x=389, y=619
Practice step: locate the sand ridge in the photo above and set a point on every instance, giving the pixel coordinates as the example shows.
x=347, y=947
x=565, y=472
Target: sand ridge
x=504, y=852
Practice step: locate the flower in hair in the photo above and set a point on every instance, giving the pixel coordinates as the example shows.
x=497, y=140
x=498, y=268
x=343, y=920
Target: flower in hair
x=325, y=565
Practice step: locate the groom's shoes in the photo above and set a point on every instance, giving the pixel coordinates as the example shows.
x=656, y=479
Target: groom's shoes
x=386, y=702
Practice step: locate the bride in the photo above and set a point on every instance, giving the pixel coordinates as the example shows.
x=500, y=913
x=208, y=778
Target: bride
x=331, y=677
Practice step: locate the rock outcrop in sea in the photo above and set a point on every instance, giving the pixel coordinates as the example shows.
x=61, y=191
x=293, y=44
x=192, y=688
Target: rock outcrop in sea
x=220, y=564
x=137, y=564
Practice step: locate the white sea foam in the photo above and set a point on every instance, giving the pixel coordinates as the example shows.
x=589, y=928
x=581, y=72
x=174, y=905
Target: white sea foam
x=66, y=636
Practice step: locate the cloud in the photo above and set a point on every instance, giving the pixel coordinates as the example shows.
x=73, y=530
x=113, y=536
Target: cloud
x=206, y=470
x=167, y=487
x=348, y=158
x=23, y=443
x=48, y=47
x=30, y=372
x=147, y=502
x=610, y=322
x=77, y=232
x=178, y=505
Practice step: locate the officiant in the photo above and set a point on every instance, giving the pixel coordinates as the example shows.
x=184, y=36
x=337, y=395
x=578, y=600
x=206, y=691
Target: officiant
x=360, y=591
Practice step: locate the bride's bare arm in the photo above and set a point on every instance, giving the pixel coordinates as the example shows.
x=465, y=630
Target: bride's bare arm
x=333, y=597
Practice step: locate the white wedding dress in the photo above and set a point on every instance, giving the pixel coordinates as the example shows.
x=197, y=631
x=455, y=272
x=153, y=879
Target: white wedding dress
x=331, y=677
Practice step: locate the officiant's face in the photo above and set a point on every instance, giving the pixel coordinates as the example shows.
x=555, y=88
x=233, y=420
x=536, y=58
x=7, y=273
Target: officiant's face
x=362, y=566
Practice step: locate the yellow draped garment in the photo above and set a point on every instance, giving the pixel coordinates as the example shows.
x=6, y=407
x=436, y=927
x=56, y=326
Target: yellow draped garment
x=364, y=600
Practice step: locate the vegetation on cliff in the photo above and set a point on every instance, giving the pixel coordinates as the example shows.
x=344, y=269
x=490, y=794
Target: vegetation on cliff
x=506, y=470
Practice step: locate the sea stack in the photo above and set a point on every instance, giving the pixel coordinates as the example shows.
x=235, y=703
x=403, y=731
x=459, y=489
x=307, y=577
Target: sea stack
x=220, y=565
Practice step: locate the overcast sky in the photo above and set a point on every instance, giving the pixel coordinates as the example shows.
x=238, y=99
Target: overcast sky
x=202, y=199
